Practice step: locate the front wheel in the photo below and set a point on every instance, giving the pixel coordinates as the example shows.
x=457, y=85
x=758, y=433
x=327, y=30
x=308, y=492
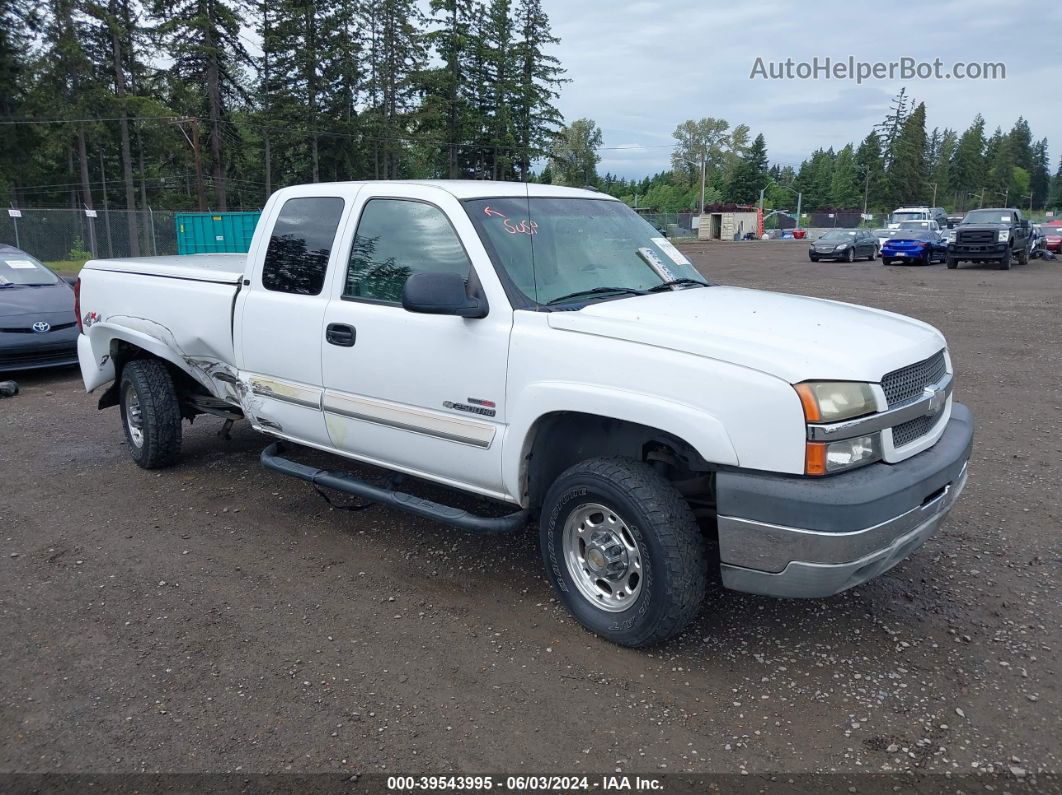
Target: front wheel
x=850, y=255
x=813, y=257
x=151, y=413
x=1004, y=261
x=623, y=551
x=952, y=263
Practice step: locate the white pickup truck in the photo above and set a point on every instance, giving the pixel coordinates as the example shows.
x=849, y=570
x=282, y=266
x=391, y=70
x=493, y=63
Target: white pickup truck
x=546, y=348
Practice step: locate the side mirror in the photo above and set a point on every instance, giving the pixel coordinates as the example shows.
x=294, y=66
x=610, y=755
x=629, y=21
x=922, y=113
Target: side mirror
x=441, y=294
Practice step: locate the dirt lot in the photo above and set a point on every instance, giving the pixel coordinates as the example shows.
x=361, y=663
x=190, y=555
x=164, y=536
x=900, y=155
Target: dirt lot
x=215, y=617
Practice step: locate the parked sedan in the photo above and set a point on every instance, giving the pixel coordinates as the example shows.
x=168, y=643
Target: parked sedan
x=38, y=327
x=844, y=244
x=1052, y=237
x=917, y=247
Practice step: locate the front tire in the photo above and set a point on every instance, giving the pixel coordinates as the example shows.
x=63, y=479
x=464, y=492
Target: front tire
x=623, y=551
x=850, y=255
x=1004, y=261
x=151, y=413
x=813, y=257
x=952, y=263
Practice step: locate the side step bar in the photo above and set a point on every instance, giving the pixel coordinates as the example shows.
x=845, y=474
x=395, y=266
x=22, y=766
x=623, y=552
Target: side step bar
x=347, y=483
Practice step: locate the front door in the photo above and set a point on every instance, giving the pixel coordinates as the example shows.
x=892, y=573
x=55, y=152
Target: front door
x=423, y=393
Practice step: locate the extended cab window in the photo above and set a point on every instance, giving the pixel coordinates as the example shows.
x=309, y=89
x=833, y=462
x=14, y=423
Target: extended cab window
x=395, y=239
x=302, y=239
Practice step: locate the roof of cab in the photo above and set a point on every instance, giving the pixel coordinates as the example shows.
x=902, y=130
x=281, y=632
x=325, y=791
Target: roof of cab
x=488, y=189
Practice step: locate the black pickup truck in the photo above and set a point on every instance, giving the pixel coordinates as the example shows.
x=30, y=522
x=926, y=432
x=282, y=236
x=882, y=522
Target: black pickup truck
x=998, y=235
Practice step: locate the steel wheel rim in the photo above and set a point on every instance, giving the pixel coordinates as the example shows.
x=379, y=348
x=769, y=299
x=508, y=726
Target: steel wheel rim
x=603, y=557
x=134, y=416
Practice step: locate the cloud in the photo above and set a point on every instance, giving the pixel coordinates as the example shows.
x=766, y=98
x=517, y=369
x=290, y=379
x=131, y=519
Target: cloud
x=639, y=69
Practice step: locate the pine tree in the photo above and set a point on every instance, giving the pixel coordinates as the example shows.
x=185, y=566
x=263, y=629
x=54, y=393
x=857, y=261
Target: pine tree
x=15, y=140
x=574, y=157
x=750, y=175
x=444, y=111
x=907, y=164
x=870, y=169
x=940, y=163
x=846, y=191
x=968, y=164
x=536, y=118
x=203, y=38
x=1040, y=183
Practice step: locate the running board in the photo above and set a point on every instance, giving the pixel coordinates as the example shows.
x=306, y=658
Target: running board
x=347, y=483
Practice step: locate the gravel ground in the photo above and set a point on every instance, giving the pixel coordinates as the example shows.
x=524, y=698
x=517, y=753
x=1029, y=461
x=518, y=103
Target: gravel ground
x=215, y=617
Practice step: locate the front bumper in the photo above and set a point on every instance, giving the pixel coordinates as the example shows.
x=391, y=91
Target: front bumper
x=970, y=251
x=37, y=353
x=803, y=537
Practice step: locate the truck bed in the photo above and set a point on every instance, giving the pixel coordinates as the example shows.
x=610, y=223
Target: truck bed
x=219, y=268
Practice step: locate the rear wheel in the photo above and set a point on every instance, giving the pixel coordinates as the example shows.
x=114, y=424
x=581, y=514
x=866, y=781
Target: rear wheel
x=886, y=261
x=1023, y=256
x=151, y=413
x=623, y=551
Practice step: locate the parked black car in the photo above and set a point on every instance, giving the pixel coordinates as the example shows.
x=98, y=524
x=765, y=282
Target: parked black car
x=38, y=327
x=995, y=234
x=844, y=244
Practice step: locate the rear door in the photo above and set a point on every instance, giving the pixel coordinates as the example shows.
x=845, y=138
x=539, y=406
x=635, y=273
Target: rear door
x=416, y=392
x=280, y=312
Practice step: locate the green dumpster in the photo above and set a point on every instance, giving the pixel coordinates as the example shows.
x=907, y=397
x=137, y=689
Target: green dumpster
x=215, y=233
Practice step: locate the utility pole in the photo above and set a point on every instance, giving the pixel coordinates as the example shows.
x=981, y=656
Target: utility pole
x=934, y=193
x=981, y=200
x=800, y=197
x=200, y=189
x=704, y=166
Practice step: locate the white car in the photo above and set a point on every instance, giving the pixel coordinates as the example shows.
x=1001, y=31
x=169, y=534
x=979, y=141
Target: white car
x=548, y=349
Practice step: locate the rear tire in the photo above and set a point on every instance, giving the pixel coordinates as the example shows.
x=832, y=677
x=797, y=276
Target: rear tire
x=151, y=413
x=623, y=551
x=1023, y=256
x=886, y=261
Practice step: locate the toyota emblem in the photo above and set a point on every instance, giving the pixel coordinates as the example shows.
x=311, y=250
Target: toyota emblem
x=40, y=327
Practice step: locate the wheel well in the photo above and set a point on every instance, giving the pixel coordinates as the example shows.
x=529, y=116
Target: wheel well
x=561, y=439
x=122, y=352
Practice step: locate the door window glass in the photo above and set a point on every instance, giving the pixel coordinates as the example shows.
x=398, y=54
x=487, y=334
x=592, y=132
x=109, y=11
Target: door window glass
x=302, y=239
x=395, y=239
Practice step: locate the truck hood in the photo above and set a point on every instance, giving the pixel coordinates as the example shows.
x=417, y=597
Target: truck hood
x=792, y=337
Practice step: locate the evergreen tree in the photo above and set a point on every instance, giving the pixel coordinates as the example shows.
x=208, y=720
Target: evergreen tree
x=536, y=118
x=1040, y=183
x=749, y=175
x=870, y=169
x=968, y=163
x=846, y=191
x=444, y=111
x=907, y=164
x=940, y=164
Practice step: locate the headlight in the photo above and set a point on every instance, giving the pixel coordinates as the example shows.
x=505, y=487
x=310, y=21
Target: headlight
x=841, y=247
x=826, y=458
x=832, y=401
x=1004, y=235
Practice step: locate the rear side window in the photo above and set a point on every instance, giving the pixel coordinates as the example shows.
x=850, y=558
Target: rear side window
x=395, y=239
x=302, y=239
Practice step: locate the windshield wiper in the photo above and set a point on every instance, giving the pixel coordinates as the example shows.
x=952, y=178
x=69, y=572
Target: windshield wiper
x=674, y=283
x=593, y=292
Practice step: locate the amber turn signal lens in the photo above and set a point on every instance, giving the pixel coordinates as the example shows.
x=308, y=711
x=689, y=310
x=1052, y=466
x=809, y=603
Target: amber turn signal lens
x=815, y=459
x=810, y=404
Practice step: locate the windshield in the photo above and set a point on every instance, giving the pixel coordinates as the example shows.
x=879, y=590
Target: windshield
x=916, y=225
x=553, y=248
x=987, y=217
x=19, y=269
x=909, y=216
x=838, y=234
x=884, y=232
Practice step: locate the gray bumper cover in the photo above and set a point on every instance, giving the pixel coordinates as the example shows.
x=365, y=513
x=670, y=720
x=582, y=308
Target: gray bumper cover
x=802, y=537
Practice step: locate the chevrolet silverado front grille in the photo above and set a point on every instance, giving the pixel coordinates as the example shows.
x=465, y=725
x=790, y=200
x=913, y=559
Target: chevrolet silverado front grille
x=908, y=383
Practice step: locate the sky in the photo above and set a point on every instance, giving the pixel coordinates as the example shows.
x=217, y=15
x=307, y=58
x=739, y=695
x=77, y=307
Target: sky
x=640, y=68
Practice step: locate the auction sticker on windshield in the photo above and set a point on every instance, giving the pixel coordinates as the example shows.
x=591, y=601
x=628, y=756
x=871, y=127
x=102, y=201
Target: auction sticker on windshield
x=21, y=264
x=668, y=248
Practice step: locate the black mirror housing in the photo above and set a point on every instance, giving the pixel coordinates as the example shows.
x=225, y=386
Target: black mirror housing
x=441, y=294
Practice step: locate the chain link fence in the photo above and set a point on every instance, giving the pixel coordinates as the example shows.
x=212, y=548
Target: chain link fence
x=58, y=235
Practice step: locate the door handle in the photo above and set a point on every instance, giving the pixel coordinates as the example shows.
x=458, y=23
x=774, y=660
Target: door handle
x=340, y=334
